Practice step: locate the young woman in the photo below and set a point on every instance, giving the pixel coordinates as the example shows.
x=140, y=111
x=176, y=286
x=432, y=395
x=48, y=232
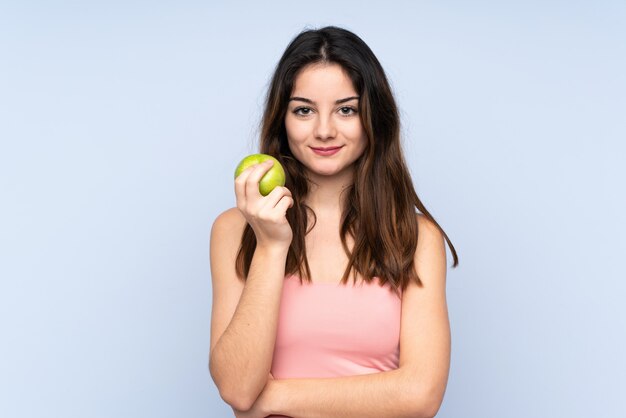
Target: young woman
x=329, y=293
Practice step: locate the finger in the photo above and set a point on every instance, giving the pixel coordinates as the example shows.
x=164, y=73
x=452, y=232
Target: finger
x=275, y=195
x=252, y=181
x=240, y=184
x=283, y=204
x=240, y=188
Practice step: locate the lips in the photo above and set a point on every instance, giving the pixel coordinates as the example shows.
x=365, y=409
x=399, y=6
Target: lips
x=326, y=151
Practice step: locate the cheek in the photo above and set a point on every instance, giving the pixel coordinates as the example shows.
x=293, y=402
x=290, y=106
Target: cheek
x=357, y=133
x=296, y=132
x=294, y=136
x=360, y=138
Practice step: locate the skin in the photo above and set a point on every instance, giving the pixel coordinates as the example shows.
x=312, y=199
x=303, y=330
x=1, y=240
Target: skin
x=315, y=120
x=242, y=340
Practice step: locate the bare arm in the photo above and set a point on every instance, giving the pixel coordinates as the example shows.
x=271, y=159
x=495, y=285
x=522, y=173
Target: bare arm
x=245, y=315
x=241, y=357
x=392, y=394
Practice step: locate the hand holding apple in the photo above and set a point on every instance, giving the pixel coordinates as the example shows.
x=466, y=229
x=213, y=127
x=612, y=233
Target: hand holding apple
x=263, y=200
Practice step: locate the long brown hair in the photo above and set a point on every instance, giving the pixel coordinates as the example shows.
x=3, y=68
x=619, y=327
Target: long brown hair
x=379, y=213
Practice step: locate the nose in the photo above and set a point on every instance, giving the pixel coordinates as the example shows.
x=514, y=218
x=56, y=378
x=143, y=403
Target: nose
x=325, y=128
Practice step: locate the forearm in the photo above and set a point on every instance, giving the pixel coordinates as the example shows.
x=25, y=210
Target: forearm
x=242, y=358
x=393, y=393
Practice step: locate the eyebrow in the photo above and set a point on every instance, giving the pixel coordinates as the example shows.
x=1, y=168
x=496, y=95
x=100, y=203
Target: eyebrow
x=340, y=101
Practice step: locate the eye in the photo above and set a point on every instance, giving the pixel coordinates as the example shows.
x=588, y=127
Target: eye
x=302, y=111
x=347, y=111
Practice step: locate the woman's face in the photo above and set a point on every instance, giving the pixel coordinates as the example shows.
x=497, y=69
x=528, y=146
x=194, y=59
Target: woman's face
x=324, y=129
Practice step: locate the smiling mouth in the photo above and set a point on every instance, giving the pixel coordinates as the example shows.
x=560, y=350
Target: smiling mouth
x=325, y=149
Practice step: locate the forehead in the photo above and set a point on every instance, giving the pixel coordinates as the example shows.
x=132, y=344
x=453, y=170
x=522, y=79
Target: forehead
x=322, y=81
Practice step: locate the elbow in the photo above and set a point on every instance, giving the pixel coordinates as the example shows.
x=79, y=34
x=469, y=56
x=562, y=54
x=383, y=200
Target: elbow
x=424, y=409
x=237, y=401
x=237, y=396
x=427, y=406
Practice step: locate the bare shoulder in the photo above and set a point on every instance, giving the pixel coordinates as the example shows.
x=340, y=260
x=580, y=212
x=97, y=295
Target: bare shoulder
x=226, y=235
x=229, y=220
x=428, y=232
x=430, y=255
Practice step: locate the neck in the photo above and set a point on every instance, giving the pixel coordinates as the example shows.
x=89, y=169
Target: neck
x=327, y=194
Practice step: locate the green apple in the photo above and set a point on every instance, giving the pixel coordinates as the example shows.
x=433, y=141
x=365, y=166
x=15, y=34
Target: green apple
x=274, y=177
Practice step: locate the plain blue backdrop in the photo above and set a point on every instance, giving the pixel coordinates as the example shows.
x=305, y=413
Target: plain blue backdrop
x=121, y=124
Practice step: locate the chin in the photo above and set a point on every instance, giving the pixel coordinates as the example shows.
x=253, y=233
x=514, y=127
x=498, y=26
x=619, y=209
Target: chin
x=326, y=170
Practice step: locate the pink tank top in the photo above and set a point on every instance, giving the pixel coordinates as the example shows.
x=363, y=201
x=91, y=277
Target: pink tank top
x=333, y=330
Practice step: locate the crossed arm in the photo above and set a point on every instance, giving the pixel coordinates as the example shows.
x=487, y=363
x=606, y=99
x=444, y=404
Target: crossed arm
x=415, y=389
x=387, y=394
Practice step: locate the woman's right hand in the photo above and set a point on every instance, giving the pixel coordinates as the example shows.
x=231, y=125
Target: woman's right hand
x=267, y=215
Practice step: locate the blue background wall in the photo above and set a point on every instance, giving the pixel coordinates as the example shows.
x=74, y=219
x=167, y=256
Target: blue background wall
x=121, y=124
